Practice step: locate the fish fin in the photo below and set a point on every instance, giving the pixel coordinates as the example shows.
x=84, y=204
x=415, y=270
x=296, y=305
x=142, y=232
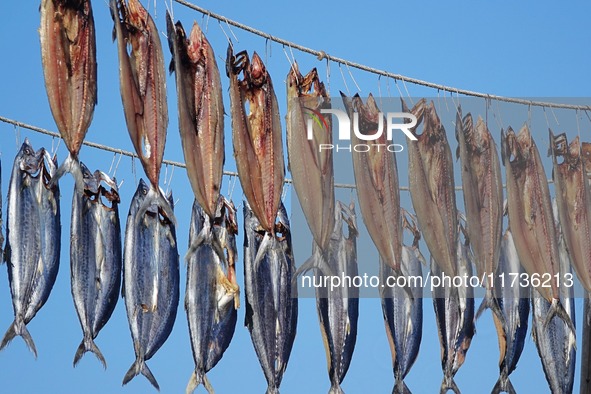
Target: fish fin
x=491, y=303
x=449, y=384
x=503, y=385
x=18, y=327
x=557, y=309
x=196, y=380
x=88, y=345
x=139, y=366
x=400, y=387
x=335, y=388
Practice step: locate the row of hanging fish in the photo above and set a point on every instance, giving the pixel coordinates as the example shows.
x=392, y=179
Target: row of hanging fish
x=148, y=260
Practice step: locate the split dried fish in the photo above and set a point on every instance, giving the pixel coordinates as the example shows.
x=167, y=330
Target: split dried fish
x=201, y=111
x=256, y=136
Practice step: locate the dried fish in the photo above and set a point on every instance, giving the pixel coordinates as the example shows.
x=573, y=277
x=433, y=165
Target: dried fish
x=432, y=187
x=311, y=168
x=256, y=136
x=68, y=54
x=271, y=296
x=513, y=300
x=338, y=308
x=483, y=199
x=201, y=111
x=212, y=295
x=403, y=314
x=530, y=215
x=95, y=256
x=33, y=232
x=150, y=279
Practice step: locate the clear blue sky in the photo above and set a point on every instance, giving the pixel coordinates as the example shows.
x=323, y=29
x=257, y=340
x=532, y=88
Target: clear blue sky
x=506, y=48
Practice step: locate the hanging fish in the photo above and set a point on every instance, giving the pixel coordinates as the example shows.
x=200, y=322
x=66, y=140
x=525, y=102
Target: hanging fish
x=142, y=80
x=514, y=304
x=573, y=195
x=454, y=312
x=33, y=232
x=338, y=308
x=212, y=295
x=68, y=54
x=432, y=187
x=271, y=296
x=403, y=314
x=530, y=215
x=311, y=168
x=201, y=111
x=483, y=199
x=95, y=256
x=256, y=136
x=555, y=339
x=1, y=234
x=376, y=179
x=150, y=280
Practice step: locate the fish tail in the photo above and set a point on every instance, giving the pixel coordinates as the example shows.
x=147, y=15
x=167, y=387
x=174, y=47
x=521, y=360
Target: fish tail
x=449, y=384
x=139, y=366
x=400, y=387
x=503, y=385
x=335, y=388
x=492, y=303
x=197, y=379
x=71, y=165
x=557, y=309
x=18, y=327
x=272, y=389
x=88, y=345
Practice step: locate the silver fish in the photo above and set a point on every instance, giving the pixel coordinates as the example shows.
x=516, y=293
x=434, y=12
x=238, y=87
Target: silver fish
x=403, y=315
x=212, y=295
x=483, y=199
x=150, y=279
x=95, y=256
x=338, y=308
x=514, y=304
x=271, y=296
x=555, y=339
x=32, y=238
x=454, y=312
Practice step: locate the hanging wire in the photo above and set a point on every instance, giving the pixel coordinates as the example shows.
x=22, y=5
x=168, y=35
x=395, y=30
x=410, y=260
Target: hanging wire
x=323, y=55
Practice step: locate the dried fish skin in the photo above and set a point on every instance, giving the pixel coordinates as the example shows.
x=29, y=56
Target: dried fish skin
x=212, y=294
x=150, y=278
x=376, y=180
x=95, y=256
x=573, y=196
x=256, y=137
x=338, y=308
x=432, y=187
x=201, y=111
x=33, y=232
x=311, y=168
x=142, y=81
x=271, y=295
x=68, y=54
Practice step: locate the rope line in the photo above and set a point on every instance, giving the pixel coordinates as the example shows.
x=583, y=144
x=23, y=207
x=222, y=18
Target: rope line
x=320, y=55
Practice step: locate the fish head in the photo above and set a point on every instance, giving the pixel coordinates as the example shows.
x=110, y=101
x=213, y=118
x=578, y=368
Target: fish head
x=91, y=183
x=137, y=15
x=524, y=143
x=108, y=190
x=196, y=47
x=418, y=110
x=258, y=72
x=433, y=128
x=28, y=160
